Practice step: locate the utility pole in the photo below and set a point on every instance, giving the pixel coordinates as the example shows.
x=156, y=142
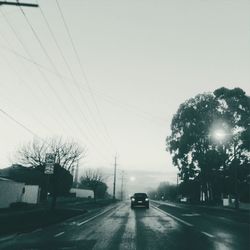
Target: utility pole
x=17, y=3
x=122, y=185
x=177, y=186
x=76, y=174
x=114, y=183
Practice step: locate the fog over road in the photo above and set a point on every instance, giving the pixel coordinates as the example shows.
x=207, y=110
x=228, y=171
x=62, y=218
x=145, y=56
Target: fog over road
x=119, y=227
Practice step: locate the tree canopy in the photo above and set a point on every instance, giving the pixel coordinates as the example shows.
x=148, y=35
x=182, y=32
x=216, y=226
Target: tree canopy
x=93, y=179
x=164, y=191
x=210, y=137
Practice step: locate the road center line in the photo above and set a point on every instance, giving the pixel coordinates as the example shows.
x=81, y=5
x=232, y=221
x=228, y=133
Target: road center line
x=37, y=230
x=191, y=215
x=207, y=234
x=8, y=237
x=174, y=217
x=59, y=234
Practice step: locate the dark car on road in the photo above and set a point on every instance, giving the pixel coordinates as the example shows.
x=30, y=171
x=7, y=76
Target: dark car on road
x=140, y=199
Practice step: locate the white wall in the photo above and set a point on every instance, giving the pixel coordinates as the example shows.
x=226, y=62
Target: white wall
x=10, y=192
x=31, y=194
x=83, y=193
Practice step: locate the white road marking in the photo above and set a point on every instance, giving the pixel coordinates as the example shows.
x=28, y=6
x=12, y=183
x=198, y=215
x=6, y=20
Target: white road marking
x=165, y=203
x=37, y=230
x=92, y=218
x=182, y=221
x=8, y=237
x=207, y=234
x=174, y=217
x=190, y=215
x=59, y=234
x=128, y=241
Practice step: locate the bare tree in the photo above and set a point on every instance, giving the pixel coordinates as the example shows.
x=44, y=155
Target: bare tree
x=92, y=179
x=32, y=154
x=67, y=153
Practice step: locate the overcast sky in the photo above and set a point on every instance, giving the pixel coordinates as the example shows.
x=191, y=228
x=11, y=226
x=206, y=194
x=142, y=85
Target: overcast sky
x=115, y=73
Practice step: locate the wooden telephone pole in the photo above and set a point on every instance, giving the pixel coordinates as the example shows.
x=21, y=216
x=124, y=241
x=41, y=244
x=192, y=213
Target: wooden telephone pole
x=122, y=186
x=114, y=183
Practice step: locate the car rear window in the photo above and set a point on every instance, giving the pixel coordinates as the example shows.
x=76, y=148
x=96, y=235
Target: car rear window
x=140, y=195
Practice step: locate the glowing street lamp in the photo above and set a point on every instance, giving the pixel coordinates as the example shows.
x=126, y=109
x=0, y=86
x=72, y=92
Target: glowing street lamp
x=219, y=134
x=132, y=178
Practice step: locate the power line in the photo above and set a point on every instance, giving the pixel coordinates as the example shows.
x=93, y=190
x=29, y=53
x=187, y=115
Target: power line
x=17, y=73
x=23, y=81
x=38, y=39
x=119, y=104
x=144, y=114
x=26, y=51
x=52, y=63
x=81, y=66
x=50, y=60
x=17, y=3
x=68, y=67
x=108, y=98
x=44, y=76
x=19, y=123
x=82, y=71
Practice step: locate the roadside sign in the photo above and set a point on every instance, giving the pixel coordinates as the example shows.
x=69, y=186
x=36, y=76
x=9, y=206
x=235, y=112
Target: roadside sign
x=49, y=161
x=49, y=169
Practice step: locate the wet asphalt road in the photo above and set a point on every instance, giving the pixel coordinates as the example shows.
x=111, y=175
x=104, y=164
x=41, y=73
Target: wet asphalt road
x=120, y=227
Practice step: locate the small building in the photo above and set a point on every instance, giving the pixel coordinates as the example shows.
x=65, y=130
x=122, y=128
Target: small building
x=31, y=194
x=10, y=192
x=82, y=193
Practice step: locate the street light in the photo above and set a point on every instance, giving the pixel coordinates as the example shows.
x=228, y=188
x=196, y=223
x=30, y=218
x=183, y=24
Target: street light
x=132, y=178
x=220, y=134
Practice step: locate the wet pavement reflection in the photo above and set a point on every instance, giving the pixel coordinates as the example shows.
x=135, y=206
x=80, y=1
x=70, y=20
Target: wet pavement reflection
x=125, y=228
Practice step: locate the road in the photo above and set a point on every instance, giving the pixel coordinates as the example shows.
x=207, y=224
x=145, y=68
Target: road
x=163, y=226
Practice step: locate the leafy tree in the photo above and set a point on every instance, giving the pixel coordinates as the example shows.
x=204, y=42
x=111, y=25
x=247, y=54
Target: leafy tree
x=188, y=142
x=194, y=150
x=235, y=109
x=167, y=191
x=190, y=189
x=101, y=191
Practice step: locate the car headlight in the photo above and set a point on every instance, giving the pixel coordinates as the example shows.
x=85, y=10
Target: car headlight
x=133, y=199
x=146, y=199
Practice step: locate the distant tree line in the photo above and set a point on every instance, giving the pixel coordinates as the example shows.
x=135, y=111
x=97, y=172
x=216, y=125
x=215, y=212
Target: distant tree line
x=165, y=191
x=210, y=144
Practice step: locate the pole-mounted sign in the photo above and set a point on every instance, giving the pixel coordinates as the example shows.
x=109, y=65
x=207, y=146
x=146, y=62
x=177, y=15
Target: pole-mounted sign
x=49, y=163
